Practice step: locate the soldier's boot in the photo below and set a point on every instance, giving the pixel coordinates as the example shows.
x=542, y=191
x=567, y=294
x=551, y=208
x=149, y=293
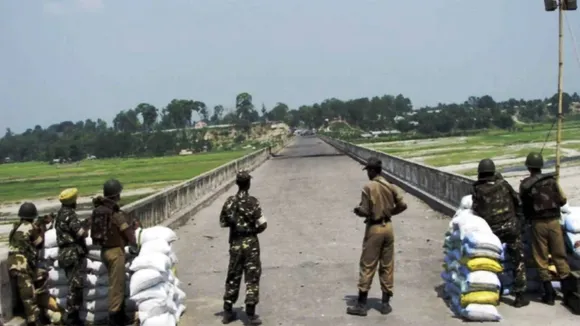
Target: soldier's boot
x=251, y=313
x=360, y=309
x=229, y=314
x=520, y=300
x=549, y=296
x=385, y=304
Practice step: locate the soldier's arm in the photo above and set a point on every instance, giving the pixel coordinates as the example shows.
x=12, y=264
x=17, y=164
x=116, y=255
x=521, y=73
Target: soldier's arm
x=37, y=237
x=364, y=208
x=400, y=205
x=261, y=222
x=127, y=232
x=76, y=226
x=225, y=219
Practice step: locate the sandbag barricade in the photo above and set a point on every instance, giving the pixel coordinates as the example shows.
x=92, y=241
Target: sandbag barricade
x=154, y=286
x=471, y=266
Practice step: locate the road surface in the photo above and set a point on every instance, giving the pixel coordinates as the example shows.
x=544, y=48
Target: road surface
x=311, y=248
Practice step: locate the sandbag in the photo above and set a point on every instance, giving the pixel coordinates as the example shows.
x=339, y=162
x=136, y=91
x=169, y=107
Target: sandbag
x=94, y=317
x=479, y=312
x=473, y=252
x=179, y=312
x=96, y=280
x=96, y=305
x=96, y=267
x=164, y=319
x=157, y=232
x=483, y=279
x=466, y=202
x=96, y=292
x=480, y=297
x=50, y=239
x=482, y=264
x=146, y=278
x=94, y=254
x=179, y=296
x=153, y=260
x=572, y=221
x=58, y=291
x=484, y=240
x=157, y=291
x=467, y=222
x=57, y=277
x=50, y=253
x=155, y=307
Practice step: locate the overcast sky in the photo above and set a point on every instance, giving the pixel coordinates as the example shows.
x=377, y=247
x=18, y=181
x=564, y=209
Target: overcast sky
x=78, y=59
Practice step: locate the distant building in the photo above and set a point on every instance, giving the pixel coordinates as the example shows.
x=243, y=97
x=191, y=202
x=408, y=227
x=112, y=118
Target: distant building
x=199, y=125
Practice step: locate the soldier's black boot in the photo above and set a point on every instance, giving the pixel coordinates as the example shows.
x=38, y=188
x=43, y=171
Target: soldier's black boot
x=549, y=296
x=520, y=300
x=385, y=304
x=360, y=309
x=229, y=314
x=251, y=313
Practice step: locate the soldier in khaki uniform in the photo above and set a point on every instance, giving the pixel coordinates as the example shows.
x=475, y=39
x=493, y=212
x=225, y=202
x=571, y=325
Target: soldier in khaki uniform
x=110, y=229
x=542, y=199
x=379, y=202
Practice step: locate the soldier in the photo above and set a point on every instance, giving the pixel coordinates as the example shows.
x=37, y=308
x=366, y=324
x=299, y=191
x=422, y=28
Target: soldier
x=498, y=204
x=380, y=201
x=109, y=229
x=542, y=199
x=70, y=236
x=243, y=215
x=24, y=242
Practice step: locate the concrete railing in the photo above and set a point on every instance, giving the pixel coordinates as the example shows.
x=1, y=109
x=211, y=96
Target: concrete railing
x=441, y=190
x=171, y=207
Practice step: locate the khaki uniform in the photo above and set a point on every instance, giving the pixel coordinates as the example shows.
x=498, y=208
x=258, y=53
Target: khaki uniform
x=378, y=200
x=542, y=198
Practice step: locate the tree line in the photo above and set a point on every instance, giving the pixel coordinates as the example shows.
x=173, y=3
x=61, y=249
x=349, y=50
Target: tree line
x=150, y=131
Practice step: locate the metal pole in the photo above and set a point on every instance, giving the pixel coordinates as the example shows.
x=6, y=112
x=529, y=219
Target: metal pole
x=560, y=83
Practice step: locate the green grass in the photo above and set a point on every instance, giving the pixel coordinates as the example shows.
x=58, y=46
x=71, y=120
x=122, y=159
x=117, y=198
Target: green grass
x=40, y=180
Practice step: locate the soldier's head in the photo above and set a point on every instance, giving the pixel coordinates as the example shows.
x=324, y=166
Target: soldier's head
x=28, y=212
x=112, y=190
x=486, y=169
x=374, y=167
x=243, y=180
x=534, y=162
x=68, y=197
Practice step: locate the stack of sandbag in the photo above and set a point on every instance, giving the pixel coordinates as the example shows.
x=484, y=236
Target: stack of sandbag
x=95, y=293
x=155, y=288
x=571, y=225
x=472, y=255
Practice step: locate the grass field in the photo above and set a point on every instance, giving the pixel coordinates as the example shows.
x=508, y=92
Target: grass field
x=40, y=180
x=508, y=149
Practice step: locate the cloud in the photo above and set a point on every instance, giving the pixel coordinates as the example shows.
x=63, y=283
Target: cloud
x=63, y=7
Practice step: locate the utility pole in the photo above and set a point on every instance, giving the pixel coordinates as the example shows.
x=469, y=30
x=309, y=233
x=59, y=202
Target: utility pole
x=561, y=5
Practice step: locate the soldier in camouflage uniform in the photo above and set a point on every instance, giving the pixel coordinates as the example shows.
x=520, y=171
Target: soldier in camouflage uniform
x=243, y=215
x=542, y=199
x=24, y=242
x=70, y=236
x=498, y=204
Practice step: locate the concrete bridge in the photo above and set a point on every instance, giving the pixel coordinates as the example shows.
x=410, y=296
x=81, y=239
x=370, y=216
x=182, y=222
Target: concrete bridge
x=311, y=248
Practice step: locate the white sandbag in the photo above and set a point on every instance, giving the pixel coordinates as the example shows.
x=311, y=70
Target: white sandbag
x=157, y=232
x=158, y=291
x=154, y=260
x=89, y=241
x=484, y=240
x=482, y=278
x=50, y=253
x=146, y=278
x=481, y=312
x=96, y=292
x=572, y=220
x=179, y=296
x=155, y=245
x=50, y=239
x=180, y=310
x=94, y=317
x=96, y=267
x=164, y=319
x=467, y=222
x=94, y=254
x=565, y=209
x=155, y=307
x=96, y=305
x=57, y=277
x=58, y=291
x=466, y=202
x=96, y=280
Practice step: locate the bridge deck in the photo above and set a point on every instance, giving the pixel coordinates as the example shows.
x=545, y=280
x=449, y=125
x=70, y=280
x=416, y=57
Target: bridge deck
x=311, y=248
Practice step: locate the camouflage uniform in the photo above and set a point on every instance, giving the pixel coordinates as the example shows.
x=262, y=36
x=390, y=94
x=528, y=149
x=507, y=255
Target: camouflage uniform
x=243, y=215
x=24, y=242
x=70, y=235
x=498, y=204
x=542, y=199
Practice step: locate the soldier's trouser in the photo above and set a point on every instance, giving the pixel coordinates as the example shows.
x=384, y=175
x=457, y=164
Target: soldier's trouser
x=114, y=260
x=515, y=250
x=378, y=250
x=548, y=239
x=75, y=272
x=25, y=285
x=244, y=259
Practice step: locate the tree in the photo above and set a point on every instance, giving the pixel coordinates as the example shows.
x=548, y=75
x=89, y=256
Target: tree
x=217, y=115
x=149, y=115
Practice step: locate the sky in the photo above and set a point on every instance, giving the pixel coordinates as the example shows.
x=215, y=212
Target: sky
x=78, y=59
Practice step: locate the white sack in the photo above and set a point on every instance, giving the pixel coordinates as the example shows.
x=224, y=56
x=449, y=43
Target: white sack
x=481, y=312
x=466, y=202
x=96, y=305
x=565, y=209
x=91, y=317
x=157, y=291
x=483, y=278
x=572, y=220
x=96, y=292
x=179, y=296
x=50, y=239
x=467, y=222
x=96, y=267
x=57, y=277
x=58, y=291
x=165, y=319
x=153, y=260
x=155, y=307
x=94, y=280
x=158, y=246
x=94, y=254
x=144, y=279
x=180, y=310
x=50, y=253
x=157, y=232
x=484, y=240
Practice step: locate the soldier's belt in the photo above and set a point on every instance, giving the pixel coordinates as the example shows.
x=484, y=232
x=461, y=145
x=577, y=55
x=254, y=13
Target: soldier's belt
x=370, y=221
x=244, y=233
